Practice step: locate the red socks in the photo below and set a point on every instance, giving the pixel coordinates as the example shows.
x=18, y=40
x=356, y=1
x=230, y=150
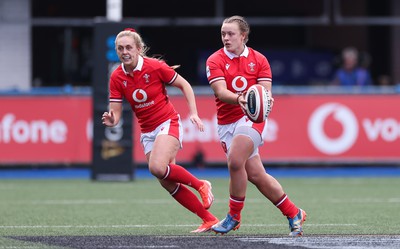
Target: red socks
x=286, y=206
x=190, y=201
x=236, y=205
x=176, y=173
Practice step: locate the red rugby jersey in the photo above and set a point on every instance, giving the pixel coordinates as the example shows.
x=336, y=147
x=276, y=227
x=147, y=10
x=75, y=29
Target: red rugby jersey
x=145, y=91
x=239, y=72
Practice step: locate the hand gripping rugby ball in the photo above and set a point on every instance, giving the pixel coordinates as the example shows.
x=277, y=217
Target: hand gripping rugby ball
x=258, y=104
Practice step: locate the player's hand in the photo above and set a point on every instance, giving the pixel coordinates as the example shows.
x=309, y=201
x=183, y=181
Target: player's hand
x=108, y=118
x=197, y=121
x=272, y=99
x=242, y=101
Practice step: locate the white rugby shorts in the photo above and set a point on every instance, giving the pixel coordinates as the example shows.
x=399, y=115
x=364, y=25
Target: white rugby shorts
x=243, y=127
x=172, y=127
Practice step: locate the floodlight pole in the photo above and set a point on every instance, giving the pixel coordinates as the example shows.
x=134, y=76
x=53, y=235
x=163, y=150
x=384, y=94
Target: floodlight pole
x=114, y=10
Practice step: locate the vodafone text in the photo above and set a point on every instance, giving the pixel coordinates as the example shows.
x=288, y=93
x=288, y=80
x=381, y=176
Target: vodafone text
x=388, y=129
x=33, y=131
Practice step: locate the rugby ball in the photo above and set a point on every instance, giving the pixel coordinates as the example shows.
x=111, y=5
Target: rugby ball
x=258, y=104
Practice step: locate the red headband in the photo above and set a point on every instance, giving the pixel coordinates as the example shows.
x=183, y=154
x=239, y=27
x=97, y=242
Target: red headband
x=131, y=29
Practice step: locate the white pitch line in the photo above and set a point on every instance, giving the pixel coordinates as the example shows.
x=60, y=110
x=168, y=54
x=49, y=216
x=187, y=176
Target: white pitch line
x=308, y=224
x=168, y=201
x=153, y=226
x=92, y=226
x=111, y=201
x=92, y=202
x=366, y=200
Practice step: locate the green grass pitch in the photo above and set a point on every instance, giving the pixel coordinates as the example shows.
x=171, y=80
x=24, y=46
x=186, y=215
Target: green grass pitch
x=83, y=207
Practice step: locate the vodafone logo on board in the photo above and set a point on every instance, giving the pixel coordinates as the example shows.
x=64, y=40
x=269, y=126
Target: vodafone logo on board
x=379, y=130
x=340, y=114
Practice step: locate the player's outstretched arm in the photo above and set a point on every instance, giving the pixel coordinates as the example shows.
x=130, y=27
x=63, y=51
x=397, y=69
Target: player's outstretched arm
x=112, y=117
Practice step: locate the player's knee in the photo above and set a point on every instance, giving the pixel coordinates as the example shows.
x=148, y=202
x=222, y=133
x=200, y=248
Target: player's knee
x=252, y=178
x=257, y=179
x=157, y=170
x=235, y=163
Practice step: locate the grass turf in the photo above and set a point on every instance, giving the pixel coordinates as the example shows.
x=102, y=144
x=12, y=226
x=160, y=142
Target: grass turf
x=82, y=207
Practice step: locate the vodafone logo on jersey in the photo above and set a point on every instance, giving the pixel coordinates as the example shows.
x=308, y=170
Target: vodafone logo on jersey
x=139, y=95
x=239, y=83
x=344, y=117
